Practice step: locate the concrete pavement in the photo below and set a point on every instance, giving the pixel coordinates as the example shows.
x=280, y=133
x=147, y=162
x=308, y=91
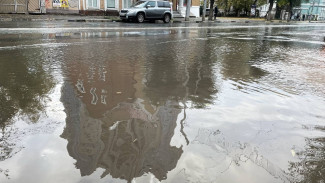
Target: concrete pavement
x=81, y=18
x=68, y=18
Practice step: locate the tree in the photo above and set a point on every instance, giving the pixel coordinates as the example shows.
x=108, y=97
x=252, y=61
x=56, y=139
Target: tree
x=204, y=10
x=223, y=4
x=288, y=5
x=238, y=5
x=269, y=12
x=211, y=10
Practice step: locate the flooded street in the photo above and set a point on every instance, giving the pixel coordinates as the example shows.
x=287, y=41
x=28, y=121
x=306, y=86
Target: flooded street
x=176, y=103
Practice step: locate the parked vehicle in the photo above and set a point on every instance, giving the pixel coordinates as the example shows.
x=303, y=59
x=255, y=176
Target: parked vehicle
x=207, y=11
x=148, y=10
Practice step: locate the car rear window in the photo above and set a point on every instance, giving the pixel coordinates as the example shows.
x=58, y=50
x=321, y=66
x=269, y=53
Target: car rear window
x=163, y=4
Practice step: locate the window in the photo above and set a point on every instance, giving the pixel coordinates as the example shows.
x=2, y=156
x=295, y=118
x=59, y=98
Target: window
x=139, y=4
x=110, y=3
x=160, y=4
x=152, y=3
x=92, y=3
x=167, y=4
x=163, y=4
x=126, y=3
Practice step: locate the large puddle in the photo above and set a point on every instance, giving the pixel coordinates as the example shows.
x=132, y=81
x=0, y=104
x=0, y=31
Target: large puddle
x=171, y=105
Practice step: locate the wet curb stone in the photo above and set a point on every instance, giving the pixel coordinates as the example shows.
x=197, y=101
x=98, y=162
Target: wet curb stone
x=99, y=20
x=90, y=20
x=47, y=19
x=77, y=20
x=7, y=18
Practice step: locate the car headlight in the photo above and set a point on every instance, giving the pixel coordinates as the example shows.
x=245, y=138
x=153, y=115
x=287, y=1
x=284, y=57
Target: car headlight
x=131, y=11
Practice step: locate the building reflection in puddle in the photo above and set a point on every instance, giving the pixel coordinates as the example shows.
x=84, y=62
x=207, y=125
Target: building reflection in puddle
x=109, y=127
x=124, y=95
x=127, y=141
x=122, y=112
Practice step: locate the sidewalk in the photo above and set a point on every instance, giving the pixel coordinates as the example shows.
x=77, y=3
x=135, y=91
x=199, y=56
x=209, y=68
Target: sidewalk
x=238, y=20
x=83, y=18
x=68, y=18
x=221, y=20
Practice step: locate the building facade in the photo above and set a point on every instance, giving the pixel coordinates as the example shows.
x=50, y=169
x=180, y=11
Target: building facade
x=86, y=7
x=315, y=8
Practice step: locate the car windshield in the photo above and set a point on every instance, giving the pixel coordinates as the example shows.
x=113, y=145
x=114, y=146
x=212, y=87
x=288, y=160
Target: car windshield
x=139, y=4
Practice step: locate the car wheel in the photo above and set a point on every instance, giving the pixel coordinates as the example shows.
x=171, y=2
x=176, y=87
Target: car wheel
x=140, y=17
x=167, y=18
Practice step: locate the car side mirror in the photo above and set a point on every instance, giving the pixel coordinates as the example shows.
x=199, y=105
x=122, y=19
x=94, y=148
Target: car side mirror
x=148, y=6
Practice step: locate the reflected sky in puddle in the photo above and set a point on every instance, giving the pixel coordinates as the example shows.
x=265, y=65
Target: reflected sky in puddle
x=203, y=105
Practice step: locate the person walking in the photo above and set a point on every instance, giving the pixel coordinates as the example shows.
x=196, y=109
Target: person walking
x=215, y=12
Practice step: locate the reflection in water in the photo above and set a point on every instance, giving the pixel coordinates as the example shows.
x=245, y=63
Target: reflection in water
x=25, y=83
x=239, y=152
x=122, y=112
x=122, y=107
x=129, y=95
x=235, y=60
x=236, y=56
x=323, y=48
x=126, y=143
x=311, y=165
x=183, y=71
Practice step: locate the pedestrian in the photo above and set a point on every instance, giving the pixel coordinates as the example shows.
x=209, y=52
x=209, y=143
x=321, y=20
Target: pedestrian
x=298, y=17
x=215, y=12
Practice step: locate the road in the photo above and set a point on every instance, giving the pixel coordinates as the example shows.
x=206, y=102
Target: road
x=154, y=102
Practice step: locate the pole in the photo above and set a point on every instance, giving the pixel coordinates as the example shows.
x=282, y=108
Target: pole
x=188, y=7
x=15, y=6
x=180, y=6
x=312, y=9
x=26, y=1
x=204, y=11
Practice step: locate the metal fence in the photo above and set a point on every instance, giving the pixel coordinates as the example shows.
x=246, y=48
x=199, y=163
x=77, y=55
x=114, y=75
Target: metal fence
x=34, y=6
x=12, y=6
x=19, y=6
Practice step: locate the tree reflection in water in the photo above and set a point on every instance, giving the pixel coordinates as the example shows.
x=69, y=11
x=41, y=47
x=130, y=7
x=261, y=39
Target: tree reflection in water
x=24, y=86
x=311, y=167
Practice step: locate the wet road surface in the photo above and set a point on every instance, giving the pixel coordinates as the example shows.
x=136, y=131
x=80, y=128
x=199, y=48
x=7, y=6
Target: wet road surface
x=111, y=102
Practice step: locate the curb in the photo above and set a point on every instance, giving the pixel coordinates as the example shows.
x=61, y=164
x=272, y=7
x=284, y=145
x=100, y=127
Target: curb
x=51, y=19
x=99, y=20
x=90, y=20
x=177, y=20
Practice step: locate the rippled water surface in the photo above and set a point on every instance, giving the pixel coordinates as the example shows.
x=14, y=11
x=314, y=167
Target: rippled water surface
x=164, y=104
